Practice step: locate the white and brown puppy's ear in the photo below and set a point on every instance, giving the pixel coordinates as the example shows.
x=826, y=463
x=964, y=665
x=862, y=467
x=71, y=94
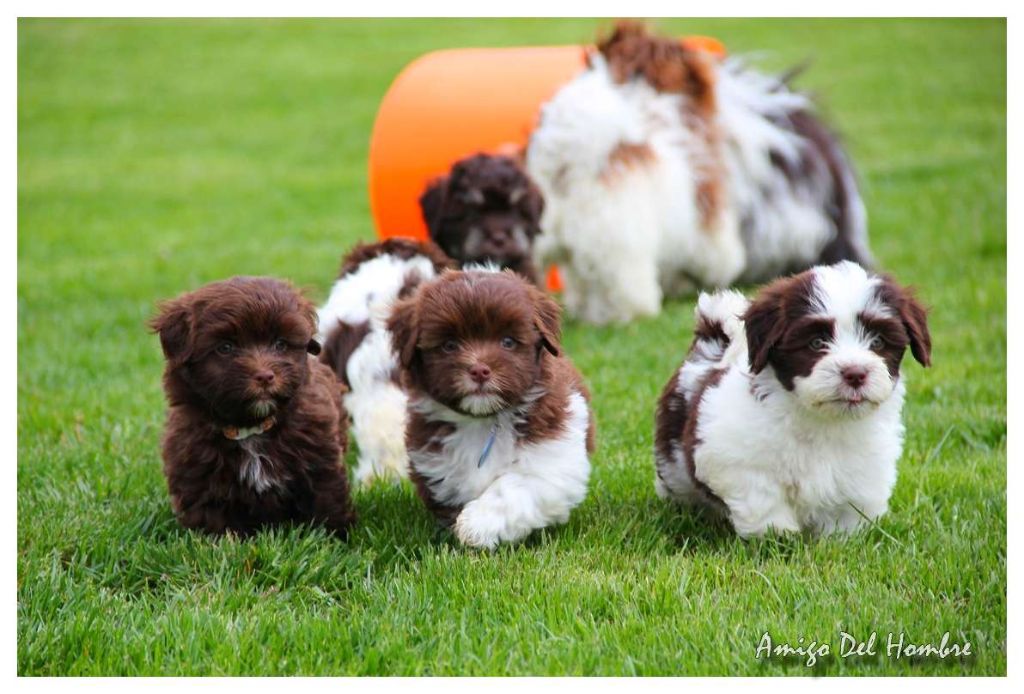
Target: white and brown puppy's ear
x=547, y=321
x=431, y=202
x=763, y=325
x=403, y=324
x=173, y=323
x=913, y=315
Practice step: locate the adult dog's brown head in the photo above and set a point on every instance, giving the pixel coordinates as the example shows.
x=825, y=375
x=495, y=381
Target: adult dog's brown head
x=475, y=341
x=237, y=349
x=485, y=210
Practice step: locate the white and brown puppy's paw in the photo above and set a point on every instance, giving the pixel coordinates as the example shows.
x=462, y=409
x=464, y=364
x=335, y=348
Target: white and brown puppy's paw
x=794, y=422
x=481, y=525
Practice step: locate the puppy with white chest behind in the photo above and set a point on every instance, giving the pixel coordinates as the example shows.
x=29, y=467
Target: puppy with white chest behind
x=499, y=425
x=786, y=413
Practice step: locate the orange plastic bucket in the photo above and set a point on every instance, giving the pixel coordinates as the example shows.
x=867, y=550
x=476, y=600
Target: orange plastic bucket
x=450, y=104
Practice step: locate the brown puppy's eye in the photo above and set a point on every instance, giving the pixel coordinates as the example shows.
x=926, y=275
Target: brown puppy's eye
x=280, y=345
x=508, y=342
x=450, y=346
x=819, y=345
x=225, y=348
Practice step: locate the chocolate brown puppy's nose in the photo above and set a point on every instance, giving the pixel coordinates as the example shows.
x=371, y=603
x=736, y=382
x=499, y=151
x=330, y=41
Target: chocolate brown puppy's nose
x=480, y=373
x=854, y=376
x=264, y=378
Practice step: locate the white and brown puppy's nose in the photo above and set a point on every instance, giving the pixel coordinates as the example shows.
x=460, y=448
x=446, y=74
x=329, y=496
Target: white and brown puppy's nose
x=854, y=376
x=480, y=373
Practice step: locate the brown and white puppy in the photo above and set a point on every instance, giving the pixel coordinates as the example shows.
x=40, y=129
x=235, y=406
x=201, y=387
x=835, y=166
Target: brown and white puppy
x=357, y=345
x=256, y=428
x=499, y=422
x=486, y=210
x=786, y=413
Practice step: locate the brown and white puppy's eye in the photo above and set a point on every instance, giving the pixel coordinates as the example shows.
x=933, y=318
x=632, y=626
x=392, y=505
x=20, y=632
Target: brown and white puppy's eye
x=819, y=344
x=450, y=347
x=281, y=345
x=226, y=348
x=509, y=342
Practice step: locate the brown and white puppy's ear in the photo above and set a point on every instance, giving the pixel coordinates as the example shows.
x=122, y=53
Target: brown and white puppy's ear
x=431, y=202
x=763, y=326
x=173, y=323
x=547, y=321
x=913, y=315
x=403, y=324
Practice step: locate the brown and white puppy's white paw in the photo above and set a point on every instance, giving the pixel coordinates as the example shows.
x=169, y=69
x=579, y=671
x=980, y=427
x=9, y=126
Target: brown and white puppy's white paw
x=486, y=210
x=786, y=414
x=499, y=423
x=256, y=428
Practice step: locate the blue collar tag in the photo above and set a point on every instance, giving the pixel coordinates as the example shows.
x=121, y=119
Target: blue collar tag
x=488, y=446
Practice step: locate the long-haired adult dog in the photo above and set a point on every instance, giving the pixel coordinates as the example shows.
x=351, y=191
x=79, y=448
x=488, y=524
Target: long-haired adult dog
x=663, y=167
x=357, y=345
x=486, y=210
x=499, y=423
x=786, y=413
x=256, y=428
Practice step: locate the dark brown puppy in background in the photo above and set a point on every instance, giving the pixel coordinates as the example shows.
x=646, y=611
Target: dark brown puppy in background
x=256, y=428
x=485, y=210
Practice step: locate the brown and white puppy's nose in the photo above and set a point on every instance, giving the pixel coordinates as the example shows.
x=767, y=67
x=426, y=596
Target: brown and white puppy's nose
x=854, y=376
x=480, y=373
x=264, y=377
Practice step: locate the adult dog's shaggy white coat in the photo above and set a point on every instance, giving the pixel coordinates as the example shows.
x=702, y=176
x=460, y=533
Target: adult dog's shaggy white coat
x=626, y=230
x=792, y=445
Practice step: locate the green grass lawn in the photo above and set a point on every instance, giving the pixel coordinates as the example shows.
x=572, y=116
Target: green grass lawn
x=155, y=156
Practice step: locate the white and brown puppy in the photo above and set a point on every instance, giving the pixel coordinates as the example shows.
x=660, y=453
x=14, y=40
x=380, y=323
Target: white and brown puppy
x=499, y=422
x=786, y=413
x=357, y=345
x=663, y=168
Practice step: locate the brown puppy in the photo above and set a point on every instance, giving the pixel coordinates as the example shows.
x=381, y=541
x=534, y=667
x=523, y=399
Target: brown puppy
x=256, y=427
x=486, y=210
x=499, y=424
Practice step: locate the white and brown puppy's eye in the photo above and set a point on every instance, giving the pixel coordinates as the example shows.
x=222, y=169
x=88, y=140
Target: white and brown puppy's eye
x=225, y=348
x=819, y=344
x=509, y=342
x=450, y=346
x=877, y=342
x=280, y=345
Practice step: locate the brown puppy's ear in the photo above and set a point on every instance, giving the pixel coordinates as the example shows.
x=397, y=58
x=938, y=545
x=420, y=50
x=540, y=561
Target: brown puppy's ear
x=431, y=202
x=532, y=204
x=403, y=325
x=763, y=325
x=547, y=321
x=173, y=324
x=313, y=347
